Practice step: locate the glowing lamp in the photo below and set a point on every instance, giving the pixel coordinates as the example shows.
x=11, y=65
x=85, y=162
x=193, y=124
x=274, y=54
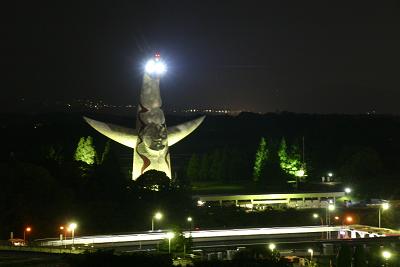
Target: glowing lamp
x=386, y=254
x=170, y=235
x=73, y=226
x=158, y=215
x=155, y=66
x=385, y=206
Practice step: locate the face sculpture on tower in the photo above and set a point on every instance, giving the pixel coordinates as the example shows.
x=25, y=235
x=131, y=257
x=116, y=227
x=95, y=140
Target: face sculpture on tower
x=151, y=138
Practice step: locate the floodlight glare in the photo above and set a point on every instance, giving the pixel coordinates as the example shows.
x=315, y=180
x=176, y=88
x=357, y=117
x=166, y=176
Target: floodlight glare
x=155, y=67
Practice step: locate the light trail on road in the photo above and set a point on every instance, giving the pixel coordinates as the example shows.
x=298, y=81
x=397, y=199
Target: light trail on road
x=200, y=234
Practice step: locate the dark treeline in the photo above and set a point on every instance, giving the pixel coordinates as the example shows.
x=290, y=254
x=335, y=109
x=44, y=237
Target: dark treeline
x=221, y=164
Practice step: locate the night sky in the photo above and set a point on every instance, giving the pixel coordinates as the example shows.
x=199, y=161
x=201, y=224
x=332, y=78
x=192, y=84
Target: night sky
x=239, y=55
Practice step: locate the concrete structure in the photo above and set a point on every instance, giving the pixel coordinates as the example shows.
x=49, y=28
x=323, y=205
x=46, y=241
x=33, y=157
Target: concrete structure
x=293, y=200
x=151, y=138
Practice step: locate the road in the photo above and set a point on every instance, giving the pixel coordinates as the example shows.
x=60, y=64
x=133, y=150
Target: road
x=198, y=236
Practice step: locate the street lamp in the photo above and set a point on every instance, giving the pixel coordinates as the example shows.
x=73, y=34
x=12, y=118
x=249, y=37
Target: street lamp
x=170, y=235
x=349, y=219
x=316, y=216
x=158, y=216
x=311, y=251
x=386, y=255
x=190, y=220
x=331, y=207
x=347, y=190
x=272, y=246
x=72, y=227
x=26, y=230
x=383, y=207
x=63, y=229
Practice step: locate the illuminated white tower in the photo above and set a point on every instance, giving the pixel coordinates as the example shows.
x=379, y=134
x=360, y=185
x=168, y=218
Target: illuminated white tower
x=152, y=138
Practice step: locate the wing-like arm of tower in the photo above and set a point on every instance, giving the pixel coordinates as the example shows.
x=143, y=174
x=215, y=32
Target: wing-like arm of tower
x=123, y=135
x=178, y=132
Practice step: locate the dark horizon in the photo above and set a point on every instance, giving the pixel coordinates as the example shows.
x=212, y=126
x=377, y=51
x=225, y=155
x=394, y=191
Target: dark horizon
x=263, y=58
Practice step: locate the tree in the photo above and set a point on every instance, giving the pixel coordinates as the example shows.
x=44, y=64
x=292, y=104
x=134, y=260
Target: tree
x=204, y=167
x=193, y=167
x=260, y=160
x=85, y=151
x=360, y=257
x=344, y=256
x=153, y=180
x=290, y=161
x=215, y=168
x=106, y=152
x=52, y=153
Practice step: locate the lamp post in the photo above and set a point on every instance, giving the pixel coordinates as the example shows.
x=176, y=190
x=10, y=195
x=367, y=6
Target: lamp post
x=311, y=251
x=63, y=229
x=26, y=230
x=386, y=256
x=170, y=235
x=72, y=227
x=349, y=219
x=331, y=207
x=272, y=246
x=381, y=208
x=190, y=220
x=156, y=216
x=316, y=216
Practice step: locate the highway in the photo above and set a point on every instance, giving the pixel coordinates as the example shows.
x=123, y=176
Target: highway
x=198, y=236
